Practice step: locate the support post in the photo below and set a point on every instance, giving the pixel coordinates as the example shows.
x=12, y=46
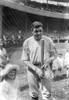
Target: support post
x=1, y=22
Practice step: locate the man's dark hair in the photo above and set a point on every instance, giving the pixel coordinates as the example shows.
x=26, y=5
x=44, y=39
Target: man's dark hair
x=36, y=24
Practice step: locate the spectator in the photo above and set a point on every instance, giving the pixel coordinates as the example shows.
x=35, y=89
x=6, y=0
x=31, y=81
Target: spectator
x=57, y=65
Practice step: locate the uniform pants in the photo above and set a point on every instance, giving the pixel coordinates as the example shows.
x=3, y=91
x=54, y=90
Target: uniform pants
x=33, y=81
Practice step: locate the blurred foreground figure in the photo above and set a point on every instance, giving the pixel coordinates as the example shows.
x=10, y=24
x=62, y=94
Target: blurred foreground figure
x=66, y=61
x=3, y=56
x=57, y=65
x=31, y=56
x=8, y=83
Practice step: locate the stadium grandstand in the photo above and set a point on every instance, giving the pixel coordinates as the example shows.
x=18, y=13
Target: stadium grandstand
x=16, y=17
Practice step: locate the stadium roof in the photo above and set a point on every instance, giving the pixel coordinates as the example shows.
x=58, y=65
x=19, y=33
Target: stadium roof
x=36, y=11
x=60, y=0
x=51, y=0
x=54, y=2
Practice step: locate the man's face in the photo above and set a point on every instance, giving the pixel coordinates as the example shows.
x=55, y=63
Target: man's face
x=11, y=75
x=37, y=32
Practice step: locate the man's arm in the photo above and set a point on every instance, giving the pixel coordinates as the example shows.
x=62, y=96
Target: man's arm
x=53, y=54
x=34, y=68
x=28, y=63
x=50, y=59
x=53, y=51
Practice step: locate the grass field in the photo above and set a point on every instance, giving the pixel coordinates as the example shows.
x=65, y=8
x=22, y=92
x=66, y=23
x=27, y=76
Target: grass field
x=60, y=88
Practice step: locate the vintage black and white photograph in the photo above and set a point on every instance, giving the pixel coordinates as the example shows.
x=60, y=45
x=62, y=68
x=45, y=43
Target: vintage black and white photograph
x=34, y=49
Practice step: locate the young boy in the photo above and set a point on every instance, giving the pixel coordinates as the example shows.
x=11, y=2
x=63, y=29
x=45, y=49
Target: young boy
x=9, y=82
x=57, y=64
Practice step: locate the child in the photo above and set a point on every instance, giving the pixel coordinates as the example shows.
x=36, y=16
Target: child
x=9, y=82
x=57, y=64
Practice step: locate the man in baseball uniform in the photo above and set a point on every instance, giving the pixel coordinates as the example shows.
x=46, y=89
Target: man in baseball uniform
x=31, y=56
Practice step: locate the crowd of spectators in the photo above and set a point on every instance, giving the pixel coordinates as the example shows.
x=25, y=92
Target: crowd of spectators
x=42, y=6
x=48, y=7
x=12, y=39
x=17, y=38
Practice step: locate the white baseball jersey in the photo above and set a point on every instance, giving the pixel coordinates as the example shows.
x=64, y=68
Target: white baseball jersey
x=32, y=49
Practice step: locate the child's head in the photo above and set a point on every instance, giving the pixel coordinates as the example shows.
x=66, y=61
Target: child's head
x=10, y=71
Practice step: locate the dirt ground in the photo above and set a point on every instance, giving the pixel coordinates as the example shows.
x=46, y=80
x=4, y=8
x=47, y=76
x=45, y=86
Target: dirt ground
x=60, y=88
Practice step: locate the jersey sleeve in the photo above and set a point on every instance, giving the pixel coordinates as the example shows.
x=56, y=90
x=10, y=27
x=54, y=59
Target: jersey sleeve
x=25, y=51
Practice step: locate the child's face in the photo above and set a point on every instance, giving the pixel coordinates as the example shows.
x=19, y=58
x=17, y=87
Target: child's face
x=12, y=74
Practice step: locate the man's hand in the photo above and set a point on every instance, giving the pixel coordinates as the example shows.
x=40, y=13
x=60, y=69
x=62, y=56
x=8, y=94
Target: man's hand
x=39, y=72
x=45, y=66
